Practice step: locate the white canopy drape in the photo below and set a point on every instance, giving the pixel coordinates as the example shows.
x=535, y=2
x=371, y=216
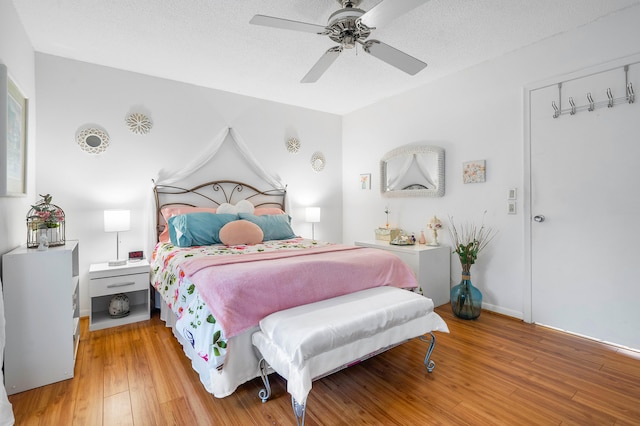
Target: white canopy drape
x=168, y=177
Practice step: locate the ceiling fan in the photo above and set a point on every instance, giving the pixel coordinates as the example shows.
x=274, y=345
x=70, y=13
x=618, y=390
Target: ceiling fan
x=350, y=26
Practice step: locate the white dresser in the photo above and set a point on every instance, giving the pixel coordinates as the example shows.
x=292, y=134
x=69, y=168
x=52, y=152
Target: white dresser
x=431, y=265
x=42, y=315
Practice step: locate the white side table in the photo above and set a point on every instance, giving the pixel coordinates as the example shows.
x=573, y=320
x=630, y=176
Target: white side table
x=106, y=281
x=42, y=311
x=431, y=265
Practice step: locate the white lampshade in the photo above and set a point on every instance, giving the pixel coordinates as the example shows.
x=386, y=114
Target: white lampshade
x=116, y=220
x=312, y=214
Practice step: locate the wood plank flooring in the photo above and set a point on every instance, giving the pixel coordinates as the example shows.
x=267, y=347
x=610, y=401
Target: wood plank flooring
x=493, y=371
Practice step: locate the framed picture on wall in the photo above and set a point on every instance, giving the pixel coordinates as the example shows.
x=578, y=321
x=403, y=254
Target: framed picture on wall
x=473, y=171
x=365, y=181
x=13, y=137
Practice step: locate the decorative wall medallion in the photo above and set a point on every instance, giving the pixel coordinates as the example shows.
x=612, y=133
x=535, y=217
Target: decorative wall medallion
x=139, y=123
x=317, y=161
x=293, y=145
x=93, y=141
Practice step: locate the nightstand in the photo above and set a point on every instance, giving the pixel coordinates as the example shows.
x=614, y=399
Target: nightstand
x=106, y=281
x=431, y=265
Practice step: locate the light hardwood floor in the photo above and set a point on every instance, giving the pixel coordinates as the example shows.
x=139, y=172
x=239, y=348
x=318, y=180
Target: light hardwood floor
x=494, y=370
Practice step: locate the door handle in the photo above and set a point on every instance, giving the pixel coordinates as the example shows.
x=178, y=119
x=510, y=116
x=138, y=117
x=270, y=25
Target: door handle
x=539, y=218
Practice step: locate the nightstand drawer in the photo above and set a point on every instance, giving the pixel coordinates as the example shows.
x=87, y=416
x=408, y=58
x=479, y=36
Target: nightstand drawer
x=120, y=284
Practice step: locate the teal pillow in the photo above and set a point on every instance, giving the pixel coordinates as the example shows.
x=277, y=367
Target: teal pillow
x=274, y=226
x=198, y=229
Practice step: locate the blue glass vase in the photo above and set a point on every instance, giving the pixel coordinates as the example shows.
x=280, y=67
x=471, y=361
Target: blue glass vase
x=466, y=300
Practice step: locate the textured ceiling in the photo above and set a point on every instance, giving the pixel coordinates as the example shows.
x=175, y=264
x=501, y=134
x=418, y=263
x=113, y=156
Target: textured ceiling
x=210, y=43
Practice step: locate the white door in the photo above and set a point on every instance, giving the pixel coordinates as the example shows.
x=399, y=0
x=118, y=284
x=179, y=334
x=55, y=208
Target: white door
x=585, y=192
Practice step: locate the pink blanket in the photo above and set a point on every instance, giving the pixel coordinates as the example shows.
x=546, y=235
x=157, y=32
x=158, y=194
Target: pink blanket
x=241, y=290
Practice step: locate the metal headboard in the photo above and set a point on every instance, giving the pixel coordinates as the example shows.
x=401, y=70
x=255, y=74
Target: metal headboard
x=212, y=194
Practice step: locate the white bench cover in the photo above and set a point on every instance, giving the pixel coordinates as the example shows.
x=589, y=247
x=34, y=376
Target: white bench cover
x=309, y=341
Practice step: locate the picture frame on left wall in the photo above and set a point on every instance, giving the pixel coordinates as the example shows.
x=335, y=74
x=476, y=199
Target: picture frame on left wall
x=14, y=108
x=365, y=181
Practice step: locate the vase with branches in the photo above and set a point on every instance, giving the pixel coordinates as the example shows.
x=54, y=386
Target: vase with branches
x=468, y=240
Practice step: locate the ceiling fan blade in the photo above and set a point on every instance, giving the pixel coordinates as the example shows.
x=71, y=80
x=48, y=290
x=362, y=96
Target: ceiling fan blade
x=322, y=65
x=388, y=10
x=393, y=56
x=286, y=24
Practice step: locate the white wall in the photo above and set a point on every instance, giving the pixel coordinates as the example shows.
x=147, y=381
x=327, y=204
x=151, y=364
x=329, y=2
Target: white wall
x=185, y=119
x=17, y=54
x=475, y=114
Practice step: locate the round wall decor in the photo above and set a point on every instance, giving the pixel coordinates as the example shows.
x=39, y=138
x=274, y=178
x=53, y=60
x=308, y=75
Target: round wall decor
x=293, y=145
x=93, y=141
x=317, y=161
x=139, y=123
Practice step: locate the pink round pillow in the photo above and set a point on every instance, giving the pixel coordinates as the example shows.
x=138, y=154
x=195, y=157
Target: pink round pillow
x=241, y=232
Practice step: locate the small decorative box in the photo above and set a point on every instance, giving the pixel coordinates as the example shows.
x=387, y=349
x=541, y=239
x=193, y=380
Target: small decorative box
x=387, y=234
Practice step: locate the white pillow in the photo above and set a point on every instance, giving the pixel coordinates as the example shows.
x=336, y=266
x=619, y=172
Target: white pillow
x=242, y=206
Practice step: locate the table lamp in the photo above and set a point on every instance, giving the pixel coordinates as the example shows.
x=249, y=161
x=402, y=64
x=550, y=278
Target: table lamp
x=312, y=214
x=117, y=221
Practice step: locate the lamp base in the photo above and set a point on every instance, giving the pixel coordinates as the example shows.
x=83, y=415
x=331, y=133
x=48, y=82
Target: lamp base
x=118, y=262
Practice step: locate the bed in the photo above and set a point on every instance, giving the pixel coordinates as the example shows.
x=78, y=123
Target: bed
x=214, y=288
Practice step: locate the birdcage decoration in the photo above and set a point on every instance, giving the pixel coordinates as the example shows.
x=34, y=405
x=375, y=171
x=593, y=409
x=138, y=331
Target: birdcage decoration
x=45, y=224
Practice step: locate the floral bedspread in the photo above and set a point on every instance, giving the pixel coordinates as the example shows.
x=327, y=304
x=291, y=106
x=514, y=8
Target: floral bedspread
x=194, y=319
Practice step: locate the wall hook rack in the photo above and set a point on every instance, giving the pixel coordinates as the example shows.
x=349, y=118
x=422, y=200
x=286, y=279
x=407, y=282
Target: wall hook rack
x=591, y=106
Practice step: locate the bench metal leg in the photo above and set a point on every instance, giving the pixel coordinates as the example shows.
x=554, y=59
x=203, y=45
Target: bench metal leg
x=428, y=363
x=265, y=393
x=298, y=411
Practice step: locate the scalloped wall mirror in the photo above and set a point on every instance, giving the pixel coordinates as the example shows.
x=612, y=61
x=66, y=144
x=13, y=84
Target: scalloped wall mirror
x=413, y=171
x=92, y=140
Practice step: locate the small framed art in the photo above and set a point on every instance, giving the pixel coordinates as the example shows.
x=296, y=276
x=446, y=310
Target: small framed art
x=365, y=181
x=473, y=171
x=13, y=137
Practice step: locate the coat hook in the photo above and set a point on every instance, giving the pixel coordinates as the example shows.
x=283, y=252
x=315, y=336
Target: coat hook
x=592, y=105
x=610, y=96
x=631, y=97
x=573, y=106
x=556, y=114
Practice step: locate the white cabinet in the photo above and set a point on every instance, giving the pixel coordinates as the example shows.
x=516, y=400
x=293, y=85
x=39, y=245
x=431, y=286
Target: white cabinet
x=431, y=265
x=42, y=315
x=106, y=281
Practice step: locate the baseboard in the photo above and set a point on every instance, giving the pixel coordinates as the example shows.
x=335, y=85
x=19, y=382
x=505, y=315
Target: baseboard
x=502, y=311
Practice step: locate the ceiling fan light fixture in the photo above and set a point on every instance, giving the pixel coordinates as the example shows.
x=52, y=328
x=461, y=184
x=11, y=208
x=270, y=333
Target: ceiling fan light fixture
x=345, y=27
x=350, y=26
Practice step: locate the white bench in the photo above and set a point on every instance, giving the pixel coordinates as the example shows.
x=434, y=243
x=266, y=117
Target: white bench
x=309, y=342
